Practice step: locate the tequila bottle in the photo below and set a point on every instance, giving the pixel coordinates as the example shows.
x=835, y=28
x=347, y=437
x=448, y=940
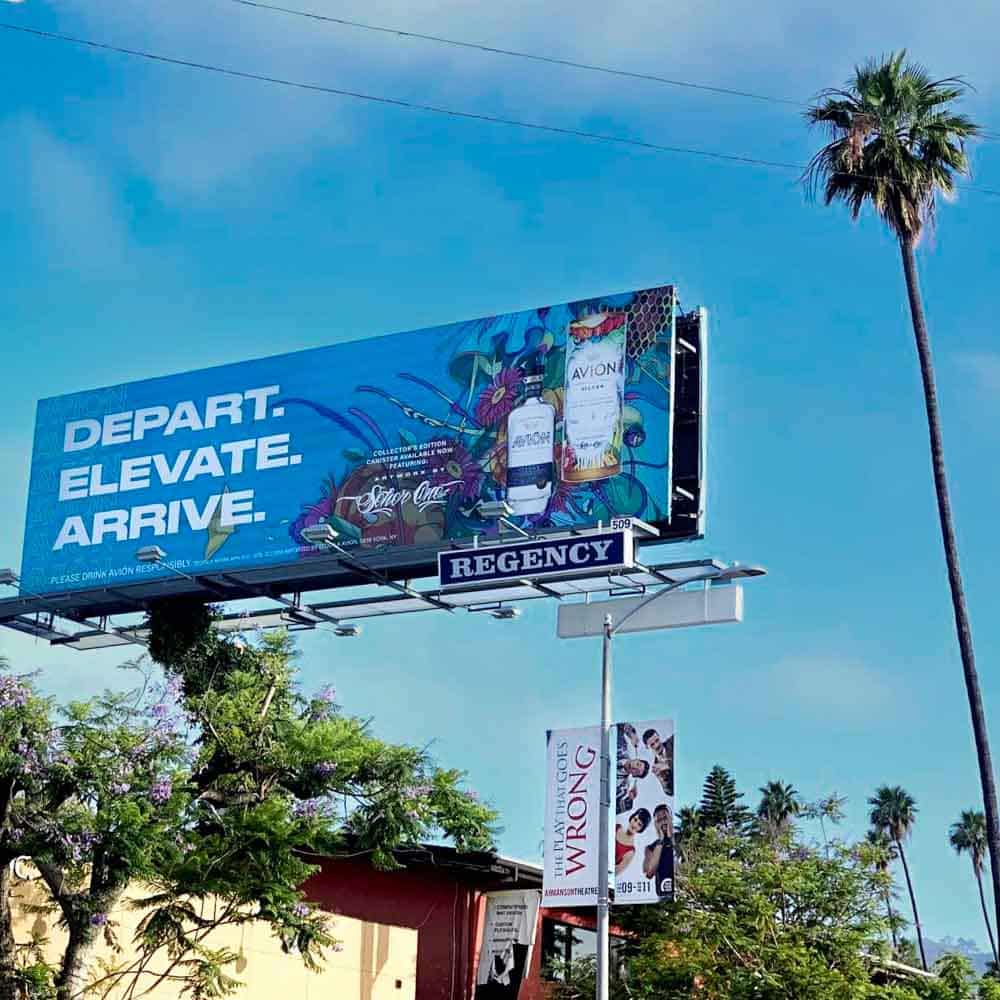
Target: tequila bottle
x=595, y=388
x=530, y=449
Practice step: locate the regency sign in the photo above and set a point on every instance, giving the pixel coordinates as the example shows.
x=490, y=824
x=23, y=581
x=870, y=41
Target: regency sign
x=600, y=551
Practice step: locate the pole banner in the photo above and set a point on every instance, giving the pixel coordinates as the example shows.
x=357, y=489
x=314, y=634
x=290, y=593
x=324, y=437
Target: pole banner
x=572, y=810
x=508, y=937
x=644, y=812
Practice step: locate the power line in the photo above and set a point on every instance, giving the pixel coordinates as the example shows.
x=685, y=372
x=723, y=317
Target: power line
x=428, y=108
x=400, y=103
x=535, y=57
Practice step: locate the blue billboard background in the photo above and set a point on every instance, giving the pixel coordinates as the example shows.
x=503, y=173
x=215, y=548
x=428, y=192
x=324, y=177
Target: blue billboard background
x=394, y=441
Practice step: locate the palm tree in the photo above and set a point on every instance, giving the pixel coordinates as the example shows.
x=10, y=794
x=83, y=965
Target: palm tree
x=831, y=808
x=968, y=836
x=687, y=822
x=882, y=853
x=779, y=805
x=894, y=812
x=897, y=144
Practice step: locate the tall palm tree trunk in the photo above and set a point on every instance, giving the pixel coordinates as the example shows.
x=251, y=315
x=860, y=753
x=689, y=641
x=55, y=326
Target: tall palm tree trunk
x=913, y=904
x=986, y=916
x=892, y=924
x=962, y=626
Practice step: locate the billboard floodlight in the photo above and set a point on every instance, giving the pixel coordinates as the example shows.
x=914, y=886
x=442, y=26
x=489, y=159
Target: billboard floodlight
x=506, y=614
x=347, y=630
x=320, y=534
x=8, y=576
x=151, y=554
x=495, y=509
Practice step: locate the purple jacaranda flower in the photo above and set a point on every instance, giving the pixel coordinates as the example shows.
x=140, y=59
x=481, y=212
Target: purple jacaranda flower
x=473, y=795
x=327, y=694
x=119, y=788
x=301, y=910
x=309, y=809
x=13, y=694
x=160, y=711
x=161, y=791
x=325, y=769
x=98, y=919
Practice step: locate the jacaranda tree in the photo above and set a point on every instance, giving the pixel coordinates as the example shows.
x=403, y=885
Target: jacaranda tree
x=213, y=780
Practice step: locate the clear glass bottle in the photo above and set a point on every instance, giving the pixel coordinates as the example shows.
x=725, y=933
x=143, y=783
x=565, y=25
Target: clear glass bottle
x=531, y=448
x=595, y=388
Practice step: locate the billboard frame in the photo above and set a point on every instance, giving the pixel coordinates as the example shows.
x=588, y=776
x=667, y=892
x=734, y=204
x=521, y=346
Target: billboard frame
x=338, y=570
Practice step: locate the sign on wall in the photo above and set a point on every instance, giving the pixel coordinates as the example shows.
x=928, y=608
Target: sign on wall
x=572, y=811
x=508, y=937
x=644, y=812
x=563, y=412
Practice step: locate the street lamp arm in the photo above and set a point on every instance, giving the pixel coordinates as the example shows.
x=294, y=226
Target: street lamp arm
x=662, y=593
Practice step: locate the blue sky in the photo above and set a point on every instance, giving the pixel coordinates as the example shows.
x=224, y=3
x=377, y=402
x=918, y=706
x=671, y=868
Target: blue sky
x=159, y=219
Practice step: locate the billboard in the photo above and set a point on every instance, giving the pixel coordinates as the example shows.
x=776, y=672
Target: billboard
x=564, y=412
x=644, y=812
x=572, y=816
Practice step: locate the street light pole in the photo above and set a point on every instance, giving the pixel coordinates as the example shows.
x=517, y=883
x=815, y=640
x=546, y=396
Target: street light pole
x=603, y=967
x=603, y=891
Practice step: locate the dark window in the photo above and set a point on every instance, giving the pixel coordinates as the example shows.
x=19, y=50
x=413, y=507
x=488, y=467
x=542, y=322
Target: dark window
x=564, y=945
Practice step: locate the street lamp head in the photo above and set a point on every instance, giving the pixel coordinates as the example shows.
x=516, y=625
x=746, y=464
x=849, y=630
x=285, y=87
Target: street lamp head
x=320, y=534
x=494, y=509
x=151, y=554
x=739, y=571
x=8, y=577
x=347, y=630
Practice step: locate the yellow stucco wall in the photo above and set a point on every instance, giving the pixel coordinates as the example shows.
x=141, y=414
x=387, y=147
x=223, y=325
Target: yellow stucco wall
x=373, y=961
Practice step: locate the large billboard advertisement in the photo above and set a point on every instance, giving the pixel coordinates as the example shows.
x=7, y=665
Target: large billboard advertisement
x=564, y=412
x=644, y=812
x=572, y=817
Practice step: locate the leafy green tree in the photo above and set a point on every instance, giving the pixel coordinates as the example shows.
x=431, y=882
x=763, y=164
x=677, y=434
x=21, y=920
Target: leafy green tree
x=988, y=989
x=687, y=822
x=968, y=836
x=956, y=979
x=216, y=783
x=894, y=811
x=779, y=805
x=753, y=924
x=720, y=802
x=897, y=144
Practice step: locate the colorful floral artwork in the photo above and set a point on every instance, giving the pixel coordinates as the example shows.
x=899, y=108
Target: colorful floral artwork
x=420, y=478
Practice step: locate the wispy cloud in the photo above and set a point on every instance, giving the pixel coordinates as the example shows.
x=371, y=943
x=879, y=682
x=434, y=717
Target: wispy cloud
x=73, y=207
x=192, y=133
x=838, y=691
x=982, y=368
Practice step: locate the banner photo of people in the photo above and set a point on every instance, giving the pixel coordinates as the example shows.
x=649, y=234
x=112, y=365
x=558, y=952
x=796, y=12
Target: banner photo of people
x=644, y=812
x=508, y=937
x=572, y=816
